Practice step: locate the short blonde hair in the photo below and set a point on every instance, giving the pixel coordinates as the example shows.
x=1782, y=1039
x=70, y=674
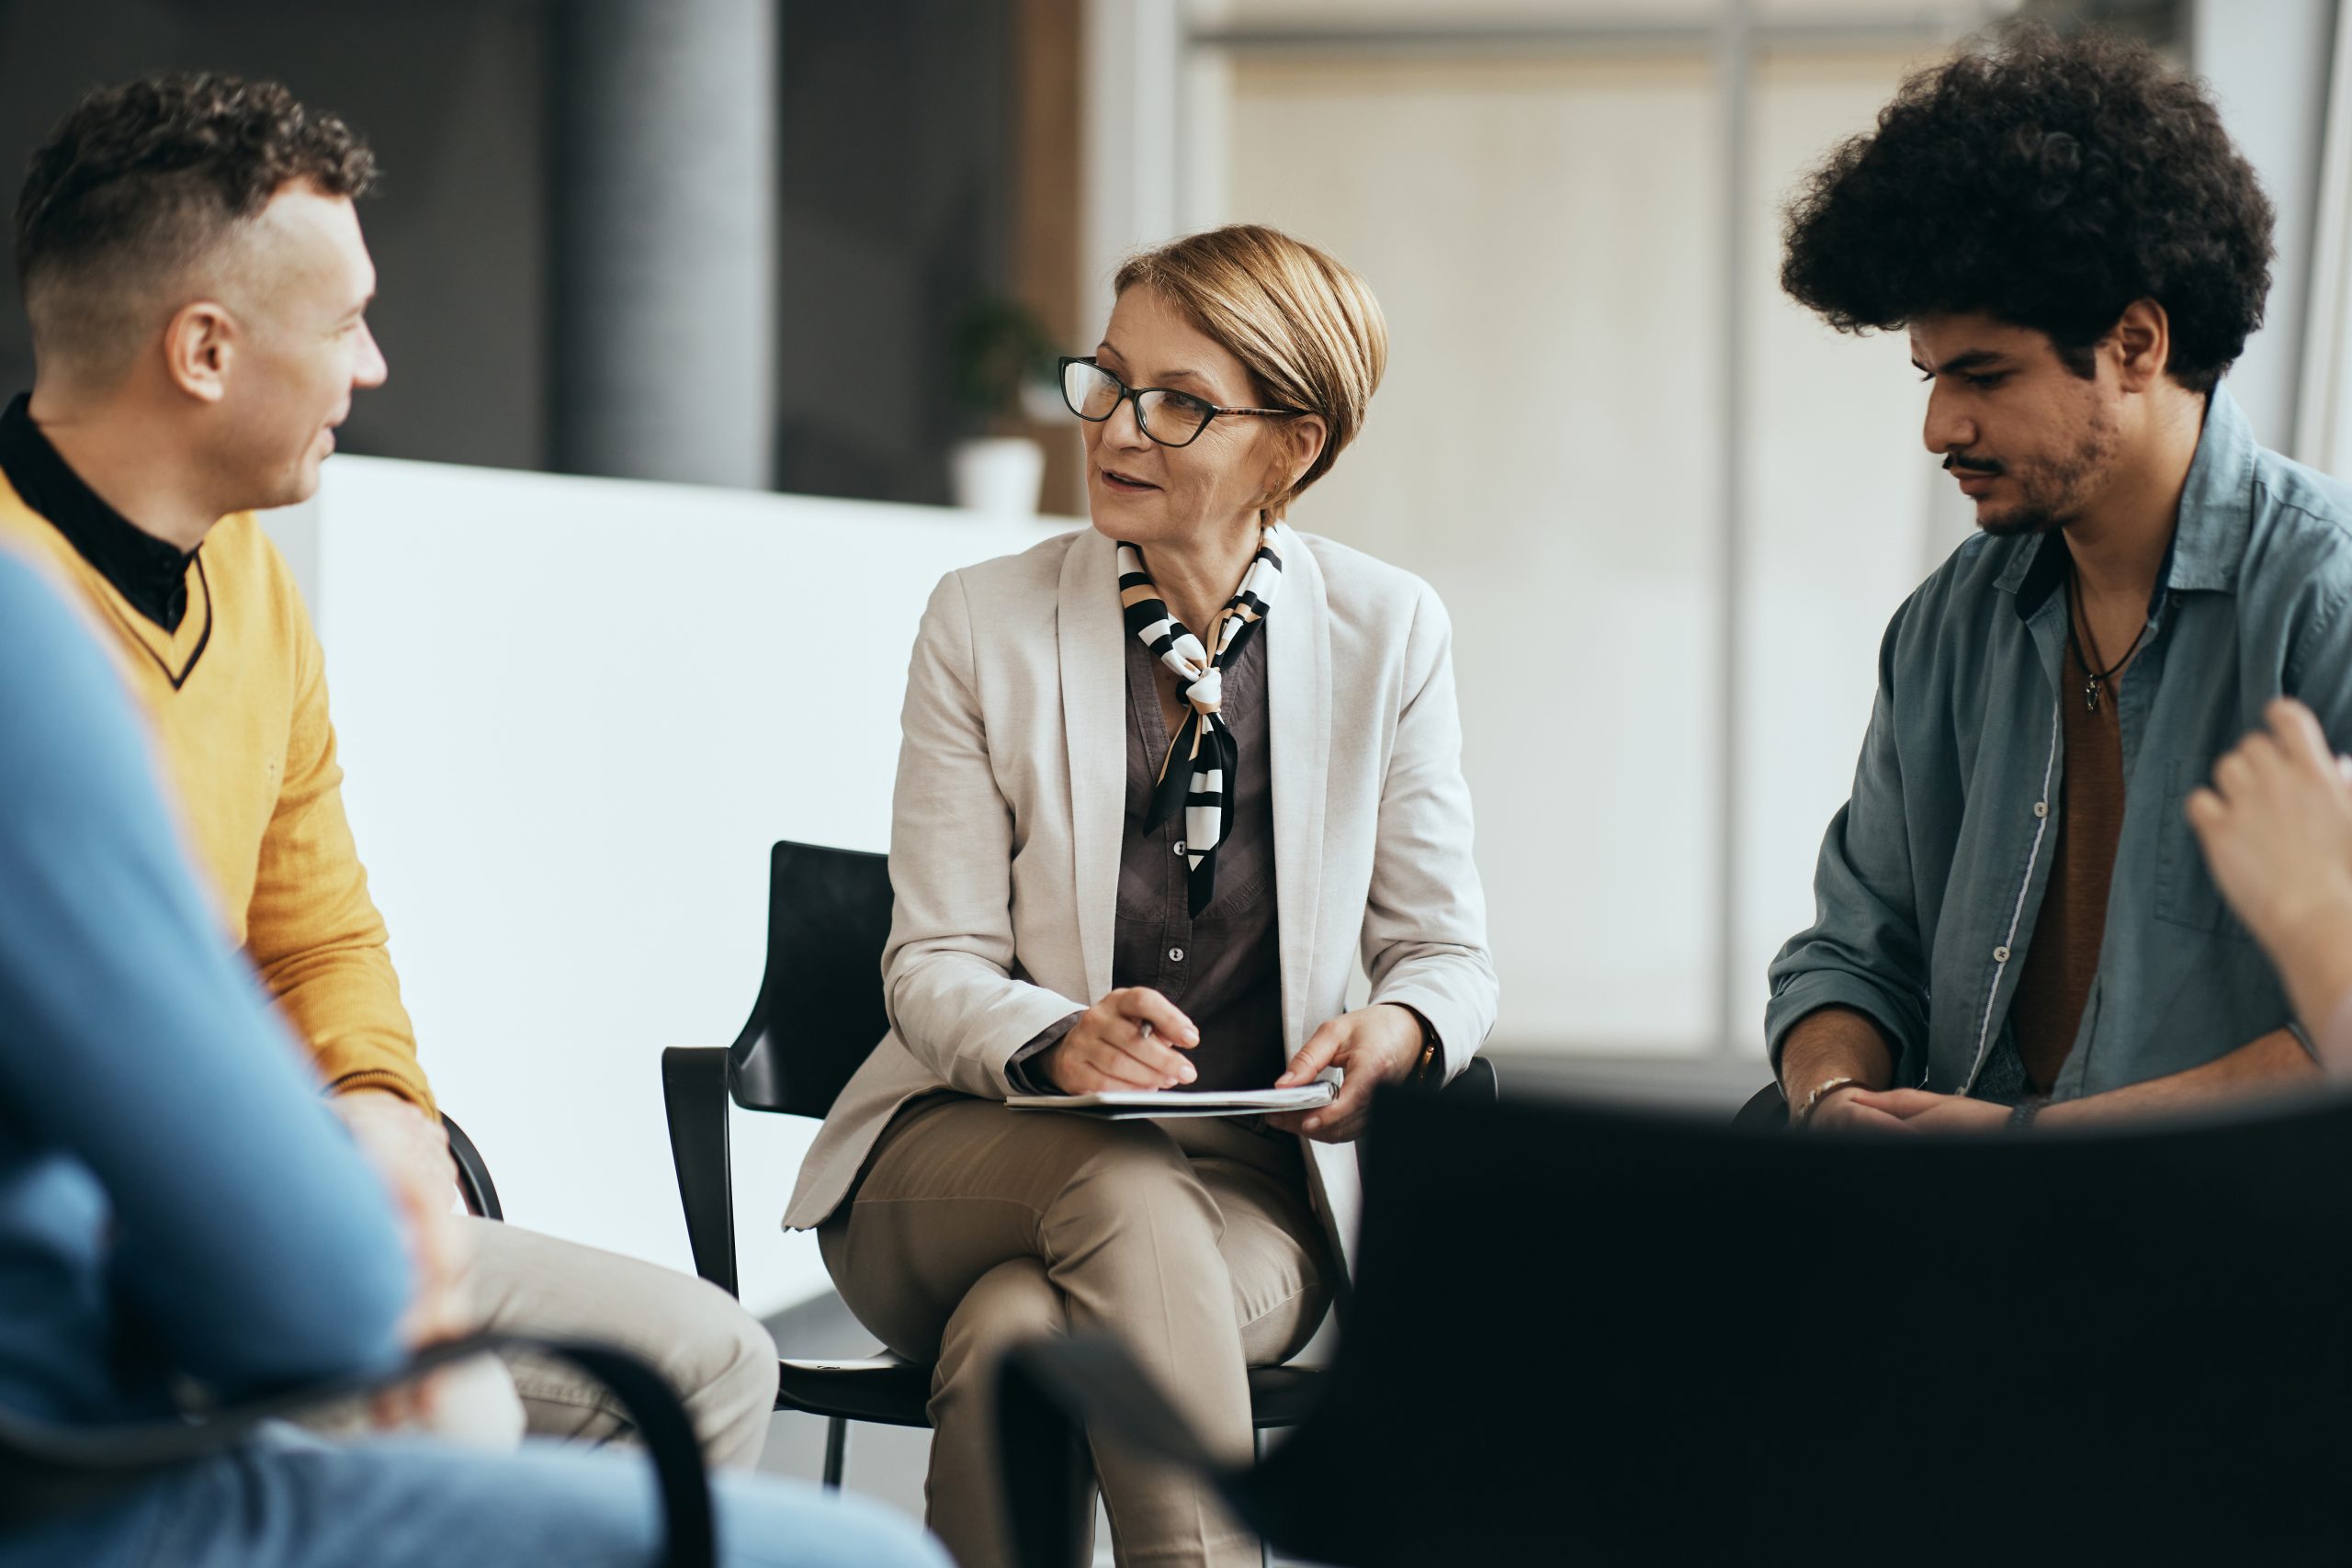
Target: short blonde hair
x=1305, y=327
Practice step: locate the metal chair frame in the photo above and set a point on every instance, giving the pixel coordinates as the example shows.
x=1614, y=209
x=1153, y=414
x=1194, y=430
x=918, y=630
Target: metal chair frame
x=474, y=1184
x=46, y=1468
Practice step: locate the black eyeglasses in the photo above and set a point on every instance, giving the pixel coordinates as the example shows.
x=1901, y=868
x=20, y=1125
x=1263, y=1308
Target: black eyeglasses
x=1169, y=418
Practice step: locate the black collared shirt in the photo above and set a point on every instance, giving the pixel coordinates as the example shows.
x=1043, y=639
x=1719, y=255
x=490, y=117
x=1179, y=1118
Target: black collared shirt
x=1223, y=966
x=150, y=572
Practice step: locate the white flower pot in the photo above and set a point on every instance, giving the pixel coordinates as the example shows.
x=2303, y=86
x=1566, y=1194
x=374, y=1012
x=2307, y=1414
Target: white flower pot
x=1001, y=475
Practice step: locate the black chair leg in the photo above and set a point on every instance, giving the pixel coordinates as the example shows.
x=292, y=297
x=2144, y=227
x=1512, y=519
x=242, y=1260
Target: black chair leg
x=1257, y=1448
x=1050, y=1496
x=836, y=1452
x=693, y=1096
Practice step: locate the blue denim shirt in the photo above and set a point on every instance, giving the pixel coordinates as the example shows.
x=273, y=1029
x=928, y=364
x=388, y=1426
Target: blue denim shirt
x=1932, y=874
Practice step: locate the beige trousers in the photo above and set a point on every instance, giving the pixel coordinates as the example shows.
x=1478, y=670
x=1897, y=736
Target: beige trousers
x=718, y=1356
x=975, y=1227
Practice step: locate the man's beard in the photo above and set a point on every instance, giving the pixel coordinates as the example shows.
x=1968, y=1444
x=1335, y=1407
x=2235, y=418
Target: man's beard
x=2053, y=493
x=2024, y=519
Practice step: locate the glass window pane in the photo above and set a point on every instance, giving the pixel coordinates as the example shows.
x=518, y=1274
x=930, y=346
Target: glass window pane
x=1544, y=237
x=1955, y=16
x=1457, y=14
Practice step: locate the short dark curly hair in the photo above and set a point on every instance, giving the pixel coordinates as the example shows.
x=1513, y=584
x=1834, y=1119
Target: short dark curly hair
x=2049, y=181
x=145, y=178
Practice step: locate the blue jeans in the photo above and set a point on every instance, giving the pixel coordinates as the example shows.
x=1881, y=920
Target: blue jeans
x=292, y=1501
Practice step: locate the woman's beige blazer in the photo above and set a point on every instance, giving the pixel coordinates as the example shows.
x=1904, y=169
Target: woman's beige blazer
x=1004, y=838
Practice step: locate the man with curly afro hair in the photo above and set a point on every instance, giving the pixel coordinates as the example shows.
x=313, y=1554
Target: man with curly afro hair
x=2012, y=912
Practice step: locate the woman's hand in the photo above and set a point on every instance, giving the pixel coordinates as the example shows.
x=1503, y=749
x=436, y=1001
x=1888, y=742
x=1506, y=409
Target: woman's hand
x=1132, y=1039
x=2277, y=827
x=1373, y=1045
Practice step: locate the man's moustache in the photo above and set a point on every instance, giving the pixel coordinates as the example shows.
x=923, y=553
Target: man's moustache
x=1973, y=464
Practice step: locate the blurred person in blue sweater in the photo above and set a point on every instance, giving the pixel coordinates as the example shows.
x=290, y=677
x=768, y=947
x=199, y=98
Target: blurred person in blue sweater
x=217, y=1226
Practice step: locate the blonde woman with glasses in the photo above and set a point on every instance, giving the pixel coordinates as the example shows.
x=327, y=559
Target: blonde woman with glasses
x=1162, y=784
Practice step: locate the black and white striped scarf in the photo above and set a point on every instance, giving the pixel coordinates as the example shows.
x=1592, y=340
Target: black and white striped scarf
x=1204, y=785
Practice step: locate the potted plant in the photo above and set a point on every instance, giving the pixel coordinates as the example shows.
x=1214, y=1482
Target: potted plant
x=1004, y=369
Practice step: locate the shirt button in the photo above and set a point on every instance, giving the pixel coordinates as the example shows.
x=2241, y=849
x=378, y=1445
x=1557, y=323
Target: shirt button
x=1180, y=846
x=2042, y=808
x=1175, y=955
x=2000, y=955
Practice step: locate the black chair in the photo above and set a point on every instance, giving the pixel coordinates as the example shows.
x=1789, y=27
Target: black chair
x=1739, y=1347
x=817, y=1017
x=1766, y=1107
x=46, y=1469
x=474, y=1184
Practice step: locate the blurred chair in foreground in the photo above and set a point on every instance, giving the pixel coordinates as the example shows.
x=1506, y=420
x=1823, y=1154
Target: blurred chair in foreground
x=1720, y=1345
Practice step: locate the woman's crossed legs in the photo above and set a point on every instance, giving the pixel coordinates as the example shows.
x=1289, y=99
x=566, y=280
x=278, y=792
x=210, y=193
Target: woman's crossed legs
x=975, y=1227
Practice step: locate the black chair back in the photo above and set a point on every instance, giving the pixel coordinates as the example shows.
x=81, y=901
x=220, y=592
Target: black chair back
x=819, y=1013
x=1728, y=1345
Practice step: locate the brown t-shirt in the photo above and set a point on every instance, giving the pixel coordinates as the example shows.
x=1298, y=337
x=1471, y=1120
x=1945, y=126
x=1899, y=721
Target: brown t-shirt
x=1223, y=969
x=2064, y=959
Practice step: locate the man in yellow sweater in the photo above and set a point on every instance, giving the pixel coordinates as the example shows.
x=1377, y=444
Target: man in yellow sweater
x=193, y=270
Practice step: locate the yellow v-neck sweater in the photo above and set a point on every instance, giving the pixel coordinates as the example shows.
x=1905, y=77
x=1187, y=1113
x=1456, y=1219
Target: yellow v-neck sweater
x=246, y=739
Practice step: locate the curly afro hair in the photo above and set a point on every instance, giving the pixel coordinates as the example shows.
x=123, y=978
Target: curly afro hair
x=2049, y=181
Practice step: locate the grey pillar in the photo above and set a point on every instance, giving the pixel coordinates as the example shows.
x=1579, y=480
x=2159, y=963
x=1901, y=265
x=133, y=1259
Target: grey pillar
x=663, y=334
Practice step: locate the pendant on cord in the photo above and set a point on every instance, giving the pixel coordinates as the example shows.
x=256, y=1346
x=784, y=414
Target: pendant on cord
x=2094, y=679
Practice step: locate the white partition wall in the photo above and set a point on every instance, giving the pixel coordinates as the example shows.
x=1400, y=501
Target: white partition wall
x=574, y=714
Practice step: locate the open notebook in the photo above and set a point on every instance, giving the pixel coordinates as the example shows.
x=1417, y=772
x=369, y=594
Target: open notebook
x=1163, y=1103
